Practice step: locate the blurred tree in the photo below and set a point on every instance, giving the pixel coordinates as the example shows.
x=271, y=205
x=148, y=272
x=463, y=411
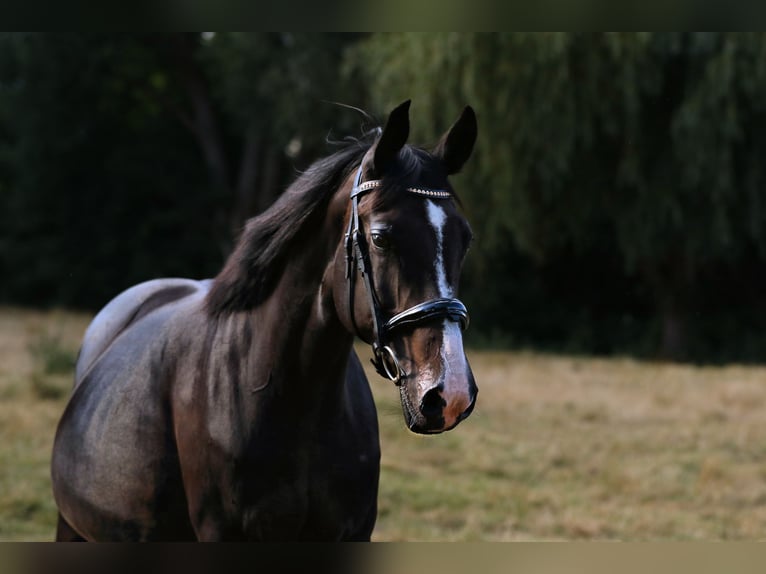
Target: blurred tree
x=264, y=91
x=650, y=144
x=101, y=191
x=616, y=178
x=242, y=98
x=124, y=157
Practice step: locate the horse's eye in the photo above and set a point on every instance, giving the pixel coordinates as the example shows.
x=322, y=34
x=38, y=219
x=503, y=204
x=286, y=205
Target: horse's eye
x=381, y=240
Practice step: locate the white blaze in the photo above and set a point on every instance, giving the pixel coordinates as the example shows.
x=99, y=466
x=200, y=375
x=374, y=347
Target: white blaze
x=452, y=354
x=438, y=218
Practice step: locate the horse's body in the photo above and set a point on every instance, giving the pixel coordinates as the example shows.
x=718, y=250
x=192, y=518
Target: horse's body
x=142, y=380
x=235, y=408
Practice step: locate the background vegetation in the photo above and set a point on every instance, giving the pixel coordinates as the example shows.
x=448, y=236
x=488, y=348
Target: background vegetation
x=616, y=191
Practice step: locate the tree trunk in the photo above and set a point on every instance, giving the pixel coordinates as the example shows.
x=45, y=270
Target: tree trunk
x=252, y=183
x=181, y=49
x=673, y=336
x=671, y=282
x=269, y=184
x=247, y=181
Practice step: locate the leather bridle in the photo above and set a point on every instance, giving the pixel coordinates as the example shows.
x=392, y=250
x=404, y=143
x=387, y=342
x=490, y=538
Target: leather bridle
x=384, y=358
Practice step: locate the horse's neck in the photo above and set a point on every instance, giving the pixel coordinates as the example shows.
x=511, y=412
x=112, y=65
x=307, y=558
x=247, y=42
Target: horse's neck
x=289, y=355
x=311, y=338
x=301, y=346
x=300, y=314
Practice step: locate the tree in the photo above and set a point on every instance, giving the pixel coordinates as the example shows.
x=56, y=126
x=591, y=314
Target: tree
x=264, y=90
x=100, y=191
x=650, y=143
x=125, y=157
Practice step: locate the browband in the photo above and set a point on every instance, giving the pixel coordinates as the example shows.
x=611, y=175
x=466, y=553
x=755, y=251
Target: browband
x=424, y=191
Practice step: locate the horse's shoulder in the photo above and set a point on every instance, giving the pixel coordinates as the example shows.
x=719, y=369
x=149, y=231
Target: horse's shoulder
x=127, y=309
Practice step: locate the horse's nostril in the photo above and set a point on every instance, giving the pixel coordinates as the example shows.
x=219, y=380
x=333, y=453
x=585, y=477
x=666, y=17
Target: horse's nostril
x=432, y=403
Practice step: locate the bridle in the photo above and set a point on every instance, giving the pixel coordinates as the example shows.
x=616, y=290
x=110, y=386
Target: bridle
x=384, y=358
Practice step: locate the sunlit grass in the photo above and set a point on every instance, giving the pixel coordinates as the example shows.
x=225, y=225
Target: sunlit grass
x=557, y=448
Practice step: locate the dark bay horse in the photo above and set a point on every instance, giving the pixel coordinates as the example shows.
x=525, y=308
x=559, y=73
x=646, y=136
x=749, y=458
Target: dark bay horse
x=235, y=408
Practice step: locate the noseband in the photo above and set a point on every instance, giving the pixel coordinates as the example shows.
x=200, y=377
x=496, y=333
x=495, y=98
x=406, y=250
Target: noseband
x=384, y=358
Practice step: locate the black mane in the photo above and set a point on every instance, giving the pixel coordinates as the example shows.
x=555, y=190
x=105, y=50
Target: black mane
x=251, y=272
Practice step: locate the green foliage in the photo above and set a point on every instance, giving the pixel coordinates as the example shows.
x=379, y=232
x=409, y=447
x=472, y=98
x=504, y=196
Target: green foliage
x=641, y=151
x=281, y=83
x=655, y=134
x=54, y=366
x=51, y=356
x=103, y=192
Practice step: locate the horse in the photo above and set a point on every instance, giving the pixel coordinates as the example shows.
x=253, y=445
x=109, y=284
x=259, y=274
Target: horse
x=235, y=408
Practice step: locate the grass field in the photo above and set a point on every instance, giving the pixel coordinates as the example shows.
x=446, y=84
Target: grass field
x=557, y=448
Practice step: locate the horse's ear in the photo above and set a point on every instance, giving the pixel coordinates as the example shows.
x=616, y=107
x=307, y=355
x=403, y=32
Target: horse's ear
x=456, y=145
x=392, y=139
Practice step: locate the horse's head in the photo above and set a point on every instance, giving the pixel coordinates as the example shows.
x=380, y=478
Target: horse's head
x=401, y=263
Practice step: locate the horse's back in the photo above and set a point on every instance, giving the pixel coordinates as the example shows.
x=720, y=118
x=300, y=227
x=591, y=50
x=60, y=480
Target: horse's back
x=125, y=310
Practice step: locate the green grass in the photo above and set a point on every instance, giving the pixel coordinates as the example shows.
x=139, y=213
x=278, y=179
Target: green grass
x=557, y=448
x=36, y=361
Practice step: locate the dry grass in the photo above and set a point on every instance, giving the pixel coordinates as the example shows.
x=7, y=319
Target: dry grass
x=34, y=383
x=557, y=448
x=571, y=448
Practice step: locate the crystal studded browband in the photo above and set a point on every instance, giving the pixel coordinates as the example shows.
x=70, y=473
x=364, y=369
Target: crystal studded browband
x=424, y=191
